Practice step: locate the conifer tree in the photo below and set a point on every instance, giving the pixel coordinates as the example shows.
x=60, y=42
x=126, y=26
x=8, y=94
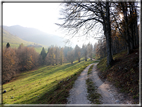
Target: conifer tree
x=43, y=55
x=7, y=45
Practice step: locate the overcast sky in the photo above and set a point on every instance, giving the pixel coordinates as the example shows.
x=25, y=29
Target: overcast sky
x=42, y=16
x=36, y=15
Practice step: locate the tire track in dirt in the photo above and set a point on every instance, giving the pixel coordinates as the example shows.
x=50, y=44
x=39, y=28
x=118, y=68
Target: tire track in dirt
x=78, y=94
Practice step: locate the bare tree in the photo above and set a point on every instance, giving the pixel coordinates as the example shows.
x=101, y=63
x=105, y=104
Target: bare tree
x=77, y=52
x=79, y=16
x=90, y=50
x=70, y=56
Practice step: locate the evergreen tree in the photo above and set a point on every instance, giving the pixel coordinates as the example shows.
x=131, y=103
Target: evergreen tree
x=43, y=55
x=7, y=45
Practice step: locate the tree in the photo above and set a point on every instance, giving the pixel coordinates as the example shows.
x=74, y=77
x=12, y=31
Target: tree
x=61, y=56
x=65, y=51
x=70, y=56
x=50, y=56
x=127, y=26
x=22, y=57
x=77, y=52
x=28, y=58
x=10, y=64
x=43, y=56
x=90, y=49
x=56, y=55
x=7, y=45
x=84, y=51
x=79, y=16
x=101, y=48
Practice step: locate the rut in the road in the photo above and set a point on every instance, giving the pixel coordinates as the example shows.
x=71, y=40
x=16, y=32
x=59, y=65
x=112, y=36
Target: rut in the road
x=78, y=94
x=107, y=98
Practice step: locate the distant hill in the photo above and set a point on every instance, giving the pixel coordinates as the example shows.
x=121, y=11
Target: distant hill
x=16, y=41
x=35, y=35
x=8, y=37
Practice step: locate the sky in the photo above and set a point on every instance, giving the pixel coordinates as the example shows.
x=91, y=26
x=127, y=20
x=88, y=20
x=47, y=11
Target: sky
x=42, y=16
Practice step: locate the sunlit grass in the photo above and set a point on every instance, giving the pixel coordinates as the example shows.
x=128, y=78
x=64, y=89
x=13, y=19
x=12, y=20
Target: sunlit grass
x=102, y=65
x=31, y=85
x=90, y=69
x=16, y=45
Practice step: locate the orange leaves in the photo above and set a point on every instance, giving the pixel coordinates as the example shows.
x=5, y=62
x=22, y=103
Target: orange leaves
x=28, y=57
x=23, y=58
x=10, y=63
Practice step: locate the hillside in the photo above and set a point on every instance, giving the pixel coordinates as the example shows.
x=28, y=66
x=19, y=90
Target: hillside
x=35, y=35
x=15, y=41
x=124, y=73
x=45, y=85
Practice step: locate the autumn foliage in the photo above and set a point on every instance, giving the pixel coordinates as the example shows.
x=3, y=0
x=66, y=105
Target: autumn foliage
x=18, y=60
x=26, y=58
x=10, y=63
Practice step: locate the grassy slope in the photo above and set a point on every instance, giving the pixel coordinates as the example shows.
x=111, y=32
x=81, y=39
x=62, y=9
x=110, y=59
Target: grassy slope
x=13, y=40
x=124, y=73
x=37, y=86
x=16, y=41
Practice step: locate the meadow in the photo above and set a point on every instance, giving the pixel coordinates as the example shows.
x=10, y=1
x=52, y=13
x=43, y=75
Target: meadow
x=16, y=45
x=16, y=41
x=37, y=86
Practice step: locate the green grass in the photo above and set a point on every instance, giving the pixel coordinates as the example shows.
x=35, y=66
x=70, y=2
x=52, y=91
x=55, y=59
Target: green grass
x=16, y=41
x=12, y=45
x=16, y=45
x=90, y=69
x=93, y=95
x=38, y=49
x=102, y=65
x=31, y=87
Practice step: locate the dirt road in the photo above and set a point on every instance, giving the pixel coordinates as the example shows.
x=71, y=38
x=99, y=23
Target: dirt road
x=78, y=94
x=107, y=97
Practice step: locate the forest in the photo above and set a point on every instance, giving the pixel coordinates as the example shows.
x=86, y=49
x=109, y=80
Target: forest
x=26, y=58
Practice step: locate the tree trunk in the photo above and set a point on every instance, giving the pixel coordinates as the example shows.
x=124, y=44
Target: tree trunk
x=108, y=35
x=136, y=30
x=85, y=58
x=126, y=25
x=78, y=59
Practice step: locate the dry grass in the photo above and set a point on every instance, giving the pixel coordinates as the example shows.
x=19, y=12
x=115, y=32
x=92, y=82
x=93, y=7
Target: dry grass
x=124, y=73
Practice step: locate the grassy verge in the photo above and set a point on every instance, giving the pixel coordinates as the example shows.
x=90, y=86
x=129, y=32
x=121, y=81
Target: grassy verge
x=124, y=73
x=90, y=69
x=46, y=85
x=93, y=96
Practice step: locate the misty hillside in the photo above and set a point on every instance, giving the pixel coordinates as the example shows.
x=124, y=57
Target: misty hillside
x=15, y=41
x=35, y=35
x=12, y=39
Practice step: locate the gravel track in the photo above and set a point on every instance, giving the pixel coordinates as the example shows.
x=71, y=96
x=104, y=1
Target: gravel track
x=107, y=98
x=109, y=92
x=78, y=94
